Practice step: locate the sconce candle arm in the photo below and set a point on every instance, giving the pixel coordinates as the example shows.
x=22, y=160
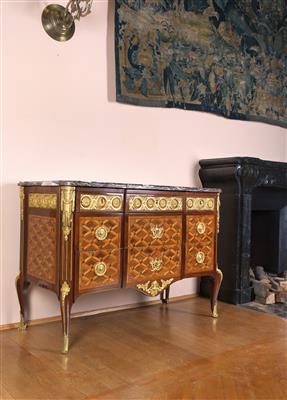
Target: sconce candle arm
x=59, y=21
x=79, y=8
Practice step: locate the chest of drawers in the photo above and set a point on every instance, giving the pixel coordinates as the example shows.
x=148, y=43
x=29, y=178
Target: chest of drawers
x=85, y=237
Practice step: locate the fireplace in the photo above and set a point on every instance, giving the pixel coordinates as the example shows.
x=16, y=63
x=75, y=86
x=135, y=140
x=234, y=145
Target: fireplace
x=253, y=220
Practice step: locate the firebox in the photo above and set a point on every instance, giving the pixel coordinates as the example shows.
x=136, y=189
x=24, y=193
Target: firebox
x=269, y=230
x=253, y=220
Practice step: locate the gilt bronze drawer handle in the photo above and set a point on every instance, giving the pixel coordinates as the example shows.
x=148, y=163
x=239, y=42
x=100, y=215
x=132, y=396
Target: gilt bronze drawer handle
x=100, y=268
x=200, y=257
x=156, y=231
x=200, y=227
x=155, y=264
x=101, y=233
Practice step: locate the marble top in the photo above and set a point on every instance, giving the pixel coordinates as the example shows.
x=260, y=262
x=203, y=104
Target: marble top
x=108, y=185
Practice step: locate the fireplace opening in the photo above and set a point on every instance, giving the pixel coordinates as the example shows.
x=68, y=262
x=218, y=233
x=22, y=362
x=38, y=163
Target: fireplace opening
x=268, y=255
x=269, y=230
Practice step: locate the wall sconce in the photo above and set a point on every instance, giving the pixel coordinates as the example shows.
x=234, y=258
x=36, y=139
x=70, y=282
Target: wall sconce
x=59, y=21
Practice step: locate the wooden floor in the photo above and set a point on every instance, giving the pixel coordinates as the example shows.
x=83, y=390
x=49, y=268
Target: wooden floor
x=158, y=352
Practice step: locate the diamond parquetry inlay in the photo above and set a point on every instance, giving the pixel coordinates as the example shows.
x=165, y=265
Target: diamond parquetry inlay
x=41, y=261
x=199, y=242
x=144, y=251
x=94, y=251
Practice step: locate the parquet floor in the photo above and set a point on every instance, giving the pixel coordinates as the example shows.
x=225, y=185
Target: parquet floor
x=158, y=352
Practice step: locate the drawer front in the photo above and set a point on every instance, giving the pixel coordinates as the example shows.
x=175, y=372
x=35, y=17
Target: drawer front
x=101, y=202
x=200, y=228
x=153, y=263
x=99, y=269
x=99, y=233
x=200, y=243
x=154, y=203
x=146, y=231
x=195, y=203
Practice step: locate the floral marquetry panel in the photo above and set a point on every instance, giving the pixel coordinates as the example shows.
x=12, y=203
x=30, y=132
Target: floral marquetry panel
x=200, y=231
x=99, y=233
x=41, y=257
x=144, y=231
x=153, y=263
x=99, y=269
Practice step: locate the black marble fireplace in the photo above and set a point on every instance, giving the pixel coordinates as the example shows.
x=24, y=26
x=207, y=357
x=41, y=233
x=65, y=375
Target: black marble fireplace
x=253, y=220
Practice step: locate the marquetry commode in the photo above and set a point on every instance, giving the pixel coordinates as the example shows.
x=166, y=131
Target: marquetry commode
x=81, y=237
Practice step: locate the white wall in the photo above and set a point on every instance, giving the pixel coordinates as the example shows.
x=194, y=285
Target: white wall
x=60, y=122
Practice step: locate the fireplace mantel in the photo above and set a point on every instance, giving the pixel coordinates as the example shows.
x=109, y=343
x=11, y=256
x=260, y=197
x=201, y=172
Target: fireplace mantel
x=239, y=177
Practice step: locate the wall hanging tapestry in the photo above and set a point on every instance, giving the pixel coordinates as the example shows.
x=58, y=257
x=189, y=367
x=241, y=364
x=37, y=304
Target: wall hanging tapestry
x=223, y=56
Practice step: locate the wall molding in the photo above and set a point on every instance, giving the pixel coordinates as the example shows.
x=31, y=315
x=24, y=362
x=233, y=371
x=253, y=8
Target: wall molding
x=42, y=321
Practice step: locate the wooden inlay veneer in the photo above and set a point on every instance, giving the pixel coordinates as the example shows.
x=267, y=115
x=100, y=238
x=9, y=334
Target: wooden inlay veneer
x=81, y=237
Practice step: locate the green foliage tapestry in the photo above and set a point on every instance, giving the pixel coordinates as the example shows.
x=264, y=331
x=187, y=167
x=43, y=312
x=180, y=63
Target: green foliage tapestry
x=228, y=57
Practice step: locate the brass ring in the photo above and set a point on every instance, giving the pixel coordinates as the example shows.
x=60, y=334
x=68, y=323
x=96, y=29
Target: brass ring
x=200, y=227
x=190, y=203
x=100, y=268
x=210, y=203
x=101, y=233
x=137, y=202
x=200, y=257
x=85, y=201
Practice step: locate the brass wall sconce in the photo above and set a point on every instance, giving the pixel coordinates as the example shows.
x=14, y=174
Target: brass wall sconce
x=59, y=21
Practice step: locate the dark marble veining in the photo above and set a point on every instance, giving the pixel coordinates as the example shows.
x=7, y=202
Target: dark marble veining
x=108, y=185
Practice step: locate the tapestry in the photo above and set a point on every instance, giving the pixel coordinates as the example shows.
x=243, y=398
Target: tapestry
x=227, y=57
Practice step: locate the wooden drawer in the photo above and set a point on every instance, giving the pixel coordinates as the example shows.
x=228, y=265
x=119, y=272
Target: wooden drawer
x=194, y=203
x=149, y=231
x=199, y=259
x=99, y=269
x=99, y=201
x=154, y=202
x=100, y=232
x=200, y=228
x=153, y=263
x=200, y=242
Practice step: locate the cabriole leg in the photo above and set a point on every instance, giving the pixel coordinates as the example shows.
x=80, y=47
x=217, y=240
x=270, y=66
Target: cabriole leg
x=217, y=279
x=22, y=291
x=66, y=305
x=164, y=296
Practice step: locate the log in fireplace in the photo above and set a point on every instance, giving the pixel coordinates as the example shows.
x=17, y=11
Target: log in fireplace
x=253, y=220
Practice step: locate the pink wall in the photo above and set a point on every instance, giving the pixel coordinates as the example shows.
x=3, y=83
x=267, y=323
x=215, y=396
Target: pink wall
x=60, y=122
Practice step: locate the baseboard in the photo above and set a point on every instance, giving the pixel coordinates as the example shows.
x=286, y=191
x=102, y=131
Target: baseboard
x=48, y=320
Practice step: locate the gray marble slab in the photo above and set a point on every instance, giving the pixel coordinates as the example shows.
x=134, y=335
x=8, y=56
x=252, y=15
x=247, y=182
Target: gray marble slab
x=109, y=185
